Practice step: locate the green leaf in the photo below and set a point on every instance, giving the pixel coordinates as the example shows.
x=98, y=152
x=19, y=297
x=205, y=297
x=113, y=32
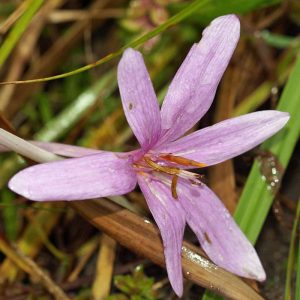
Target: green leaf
x=117, y=297
x=136, y=286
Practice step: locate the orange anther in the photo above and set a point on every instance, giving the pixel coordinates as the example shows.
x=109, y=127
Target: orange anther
x=173, y=187
x=182, y=161
x=159, y=168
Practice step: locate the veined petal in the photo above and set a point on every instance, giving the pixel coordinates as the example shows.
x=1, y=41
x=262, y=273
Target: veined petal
x=60, y=149
x=170, y=219
x=218, y=234
x=138, y=98
x=194, y=86
x=66, y=150
x=87, y=177
x=228, y=138
x=77, y=151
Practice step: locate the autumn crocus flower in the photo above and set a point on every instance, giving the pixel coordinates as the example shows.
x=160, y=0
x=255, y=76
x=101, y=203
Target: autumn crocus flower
x=162, y=166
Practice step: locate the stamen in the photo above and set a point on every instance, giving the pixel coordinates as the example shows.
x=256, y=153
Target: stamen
x=190, y=176
x=173, y=171
x=164, y=169
x=173, y=187
x=182, y=161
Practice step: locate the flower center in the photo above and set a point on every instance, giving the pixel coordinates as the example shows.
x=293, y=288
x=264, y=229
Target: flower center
x=171, y=165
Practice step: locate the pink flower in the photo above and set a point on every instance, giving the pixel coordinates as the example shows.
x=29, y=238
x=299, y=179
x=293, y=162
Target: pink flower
x=162, y=165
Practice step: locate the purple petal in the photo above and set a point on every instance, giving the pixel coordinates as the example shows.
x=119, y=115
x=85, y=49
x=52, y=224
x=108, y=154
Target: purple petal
x=194, y=86
x=4, y=149
x=138, y=98
x=60, y=149
x=87, y=177
x=228, y=138
x=218, y=234
x=170, y=219
x=66, y=150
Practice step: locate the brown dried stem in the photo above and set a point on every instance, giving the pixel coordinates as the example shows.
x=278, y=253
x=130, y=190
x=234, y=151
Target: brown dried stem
x=143, y=237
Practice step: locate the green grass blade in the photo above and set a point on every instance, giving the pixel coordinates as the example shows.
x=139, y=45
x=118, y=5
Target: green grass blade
x=256, y=199
x=67, y=118
x=220, y=7
x=291, y=258
x=297, y=293
x=277, y=40
x=10, y=215
x=19, y=27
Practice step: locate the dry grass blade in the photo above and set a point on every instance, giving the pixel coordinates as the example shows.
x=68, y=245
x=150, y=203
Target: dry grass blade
x=24, y=50
x=30, y=267
x=104, y=272
x=6, y=125
x=84, y=253
x=142, y=237
x=221, y=176
x=30, y=242
x=6, y=25
x=61, y=16
x=53, y=57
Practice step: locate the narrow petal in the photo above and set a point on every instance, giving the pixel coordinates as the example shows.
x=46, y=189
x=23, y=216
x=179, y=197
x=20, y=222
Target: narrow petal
x=218, y=234
x=76, y=151
x=228, y=138
x=194, y=86
x=59, y=149
x=87, y=177
x=66, y=150
x=138, y=98
x=170, y=219
x=3, y=149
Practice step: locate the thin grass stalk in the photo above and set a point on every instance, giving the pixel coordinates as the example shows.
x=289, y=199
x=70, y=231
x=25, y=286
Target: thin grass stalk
x=291, y=258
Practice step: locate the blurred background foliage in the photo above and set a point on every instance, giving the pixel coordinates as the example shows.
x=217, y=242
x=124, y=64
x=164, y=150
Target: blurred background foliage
x=48, y=250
